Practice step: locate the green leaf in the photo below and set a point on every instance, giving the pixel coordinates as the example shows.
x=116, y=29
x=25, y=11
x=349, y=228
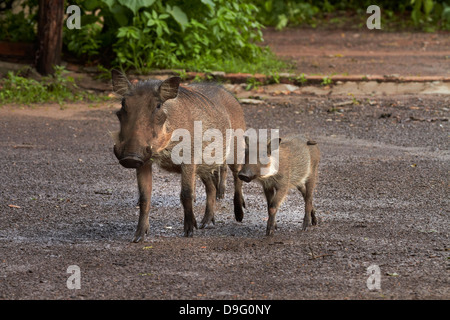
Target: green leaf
x=91, y=5
x=122, y=32
x=135, y=5
x=179, y=16
x=415, y=16
x=428, y=6
x=159, y=30
x=268, y=5
x=147, y=15
x=209, y=3
x=109, y=3
x=120, y=14
x=129, y=32
x=88, y=19
x=121, y=18
x=282, y=22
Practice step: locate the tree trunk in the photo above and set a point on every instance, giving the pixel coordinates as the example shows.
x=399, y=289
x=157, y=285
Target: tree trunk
x=50, y=25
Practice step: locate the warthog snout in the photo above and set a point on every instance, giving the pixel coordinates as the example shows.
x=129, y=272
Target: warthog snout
x=246, y=175
x=131, y=161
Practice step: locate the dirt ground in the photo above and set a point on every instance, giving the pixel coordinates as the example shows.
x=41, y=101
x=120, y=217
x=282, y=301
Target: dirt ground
x=382, y=200
x=363, y=52
x=382, y=196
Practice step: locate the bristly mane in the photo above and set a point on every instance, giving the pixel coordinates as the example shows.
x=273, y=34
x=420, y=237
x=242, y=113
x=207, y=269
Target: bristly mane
x=142, y=87
x=185, y=93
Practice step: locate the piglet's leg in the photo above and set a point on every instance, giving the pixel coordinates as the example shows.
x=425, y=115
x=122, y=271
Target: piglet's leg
x=210, y=201
x=310, y=212
x=273, y=205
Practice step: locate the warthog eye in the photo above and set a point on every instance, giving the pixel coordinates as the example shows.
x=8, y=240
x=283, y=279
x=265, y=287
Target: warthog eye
x=158, y=106
x=124, y=107
x=122, y=110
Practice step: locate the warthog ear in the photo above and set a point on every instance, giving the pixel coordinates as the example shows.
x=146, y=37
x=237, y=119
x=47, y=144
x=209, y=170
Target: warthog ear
x=269, y=146
x=169, y=88
x=120, y=83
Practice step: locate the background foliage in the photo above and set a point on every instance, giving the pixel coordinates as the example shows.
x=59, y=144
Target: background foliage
x=148, y=34
x=426, y=15
x=58, y=87
x=203, y=35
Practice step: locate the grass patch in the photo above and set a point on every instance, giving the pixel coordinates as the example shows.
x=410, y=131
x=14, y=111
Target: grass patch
x=268, y=63
x=58, y=88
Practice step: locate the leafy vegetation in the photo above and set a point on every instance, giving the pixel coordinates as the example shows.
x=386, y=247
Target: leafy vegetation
x=58, y=88
x=430, y=14
x=220, y=35
x=326, y=81
x=149, y=34
x=427, y=15
x=206, y=35
x=19, y=26
x=279, y=13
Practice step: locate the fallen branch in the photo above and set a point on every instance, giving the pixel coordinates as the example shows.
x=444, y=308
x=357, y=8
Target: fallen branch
x=314, y=256
x=18, y=146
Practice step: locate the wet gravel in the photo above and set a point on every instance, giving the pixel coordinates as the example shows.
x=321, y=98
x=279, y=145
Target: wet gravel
x=382, y=199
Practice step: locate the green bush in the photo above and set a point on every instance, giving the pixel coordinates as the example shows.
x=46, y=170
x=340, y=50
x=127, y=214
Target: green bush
x=446, y=16
x=206, y=35
x=148, y=34
x=18, y=26
x=430, y=15
x=85, y=42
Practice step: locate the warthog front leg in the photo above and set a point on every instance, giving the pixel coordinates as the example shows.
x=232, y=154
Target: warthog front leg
x=186, y=197
x=238, y=199
x=144, y=178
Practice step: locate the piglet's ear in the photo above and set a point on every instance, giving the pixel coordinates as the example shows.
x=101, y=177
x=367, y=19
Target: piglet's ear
x=169, y=88
x=120, y=83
